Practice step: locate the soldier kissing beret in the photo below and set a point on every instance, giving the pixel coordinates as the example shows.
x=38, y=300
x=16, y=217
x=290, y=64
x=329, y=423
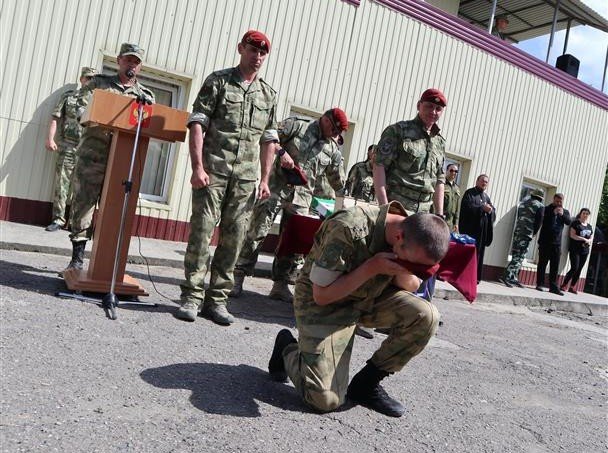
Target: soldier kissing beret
x=257, y=39
x=435, y=96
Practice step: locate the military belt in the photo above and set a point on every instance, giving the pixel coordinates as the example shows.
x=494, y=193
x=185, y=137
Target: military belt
x=417, y=196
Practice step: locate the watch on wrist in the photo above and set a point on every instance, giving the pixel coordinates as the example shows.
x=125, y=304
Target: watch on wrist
x=280, y=152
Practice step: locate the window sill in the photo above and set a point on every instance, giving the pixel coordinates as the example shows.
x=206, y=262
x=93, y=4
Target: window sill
x=143, y=203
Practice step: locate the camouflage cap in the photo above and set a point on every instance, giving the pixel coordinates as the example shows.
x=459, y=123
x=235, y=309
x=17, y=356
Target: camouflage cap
x=131, y=49
x=539, y=193
x=85, y=71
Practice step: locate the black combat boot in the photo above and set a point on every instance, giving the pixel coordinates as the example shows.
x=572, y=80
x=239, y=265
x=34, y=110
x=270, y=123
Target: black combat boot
x=276, y=366
x=77, y=255
x=365, y=389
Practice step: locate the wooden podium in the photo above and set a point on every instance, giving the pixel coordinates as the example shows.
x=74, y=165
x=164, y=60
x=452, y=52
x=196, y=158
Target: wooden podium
x=119, y=114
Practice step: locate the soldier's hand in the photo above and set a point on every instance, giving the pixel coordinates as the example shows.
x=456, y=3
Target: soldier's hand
x=263, y=191
x=286, y=161
x=384, y=263
x=51, y=145
x=199, y=179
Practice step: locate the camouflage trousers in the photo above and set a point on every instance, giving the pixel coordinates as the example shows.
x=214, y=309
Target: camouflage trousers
x=227, y=200
x=318, y=365
x=285, y=268
x=66, y=160
x=518, y=253
x=87, y=183
x=262, y=218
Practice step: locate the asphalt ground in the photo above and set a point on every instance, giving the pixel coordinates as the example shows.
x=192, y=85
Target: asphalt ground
x=496, y=378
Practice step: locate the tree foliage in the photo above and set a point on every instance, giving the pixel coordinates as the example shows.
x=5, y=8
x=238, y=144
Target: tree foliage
x=602, y=214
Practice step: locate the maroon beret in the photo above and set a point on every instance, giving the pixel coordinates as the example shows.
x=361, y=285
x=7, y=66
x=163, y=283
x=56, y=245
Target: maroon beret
x=435, y=96
x=339, y=118
x=257, y=39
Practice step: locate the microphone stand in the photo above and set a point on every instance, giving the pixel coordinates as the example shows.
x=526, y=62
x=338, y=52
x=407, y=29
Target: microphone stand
x=109, y=302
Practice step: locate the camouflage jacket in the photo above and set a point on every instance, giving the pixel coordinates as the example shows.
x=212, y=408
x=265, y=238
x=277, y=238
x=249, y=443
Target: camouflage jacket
x=412, y=160
x=527, y=223
x=291, y=131
x=236, y=118
x=66, y=111
x=318, y=156
x=344, y=242
x=451, y=203
x=99, y=137
x=360, y=182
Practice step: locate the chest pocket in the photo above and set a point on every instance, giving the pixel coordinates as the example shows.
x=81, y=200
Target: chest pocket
x=324, y=160
x=71, y=108
x=260, y=114
x=233, y=108
x=413, y=155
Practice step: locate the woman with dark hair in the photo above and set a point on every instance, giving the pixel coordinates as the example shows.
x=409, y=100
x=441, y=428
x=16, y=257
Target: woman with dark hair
x=581, y=238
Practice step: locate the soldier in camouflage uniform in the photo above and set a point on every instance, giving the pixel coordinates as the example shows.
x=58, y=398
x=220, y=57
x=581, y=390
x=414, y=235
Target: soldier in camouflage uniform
x=94, y=147
x=313, y=146
x=408, y=166
x=451, y=198
x=65, y=115
x=409, y=158
x=360, y=182
x=350, y=277
x=526, y=227
x=232, y=130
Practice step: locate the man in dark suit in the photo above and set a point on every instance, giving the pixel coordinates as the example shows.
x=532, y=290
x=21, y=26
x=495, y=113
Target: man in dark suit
x=554, y=217
x=477, y=217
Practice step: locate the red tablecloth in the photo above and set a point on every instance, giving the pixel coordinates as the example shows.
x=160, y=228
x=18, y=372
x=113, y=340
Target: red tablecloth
x=458, y=268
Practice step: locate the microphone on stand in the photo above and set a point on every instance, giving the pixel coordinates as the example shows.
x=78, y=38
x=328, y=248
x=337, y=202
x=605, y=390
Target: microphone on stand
x=130, y=73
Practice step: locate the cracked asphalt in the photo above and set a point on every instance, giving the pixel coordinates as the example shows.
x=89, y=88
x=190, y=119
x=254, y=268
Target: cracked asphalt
x=496, y=378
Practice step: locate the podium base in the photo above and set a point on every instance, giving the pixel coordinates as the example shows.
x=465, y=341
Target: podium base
x=77, y=280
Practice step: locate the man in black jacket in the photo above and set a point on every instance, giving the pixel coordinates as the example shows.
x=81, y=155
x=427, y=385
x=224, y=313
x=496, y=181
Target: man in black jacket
x=550, y=241
x=477, y=217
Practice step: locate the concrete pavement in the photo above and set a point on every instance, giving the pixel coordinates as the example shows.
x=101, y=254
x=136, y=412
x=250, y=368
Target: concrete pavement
x=29, y=238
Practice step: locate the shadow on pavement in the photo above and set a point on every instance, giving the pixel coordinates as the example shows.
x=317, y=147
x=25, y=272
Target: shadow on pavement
x=225, y=389
x=29, y=278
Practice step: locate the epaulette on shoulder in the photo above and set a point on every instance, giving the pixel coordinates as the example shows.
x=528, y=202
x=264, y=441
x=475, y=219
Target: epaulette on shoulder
x=263, y=82
x=223, y=74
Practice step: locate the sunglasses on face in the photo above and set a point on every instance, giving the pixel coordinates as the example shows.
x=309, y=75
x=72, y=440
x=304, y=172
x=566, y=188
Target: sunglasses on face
x=453, y=171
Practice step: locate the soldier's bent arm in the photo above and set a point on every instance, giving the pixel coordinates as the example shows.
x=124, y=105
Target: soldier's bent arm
x=438, y=198
x=335, y=174
x=196, y=146
x=331, y=286
x=380, y=184
x=50, y=139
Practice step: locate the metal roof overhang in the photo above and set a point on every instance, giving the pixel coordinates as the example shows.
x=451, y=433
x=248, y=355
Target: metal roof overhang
x=532, y=18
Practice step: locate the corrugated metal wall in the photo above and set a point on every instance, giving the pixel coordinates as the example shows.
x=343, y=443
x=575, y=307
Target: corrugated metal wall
x=370, y=60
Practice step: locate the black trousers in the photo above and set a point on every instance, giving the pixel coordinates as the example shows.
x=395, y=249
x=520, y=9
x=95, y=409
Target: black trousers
x=577, y=262
x=547, y=254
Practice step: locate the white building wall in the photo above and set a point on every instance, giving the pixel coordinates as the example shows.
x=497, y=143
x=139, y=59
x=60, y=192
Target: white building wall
x=370, y=60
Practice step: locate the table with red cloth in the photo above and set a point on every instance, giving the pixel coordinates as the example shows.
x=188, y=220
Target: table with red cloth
x=458, y=267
